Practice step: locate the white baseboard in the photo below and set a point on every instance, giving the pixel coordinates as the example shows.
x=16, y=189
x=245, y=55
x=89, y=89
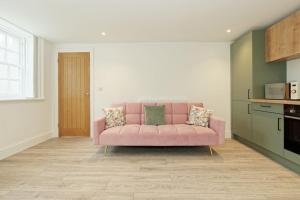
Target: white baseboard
x=25, y=144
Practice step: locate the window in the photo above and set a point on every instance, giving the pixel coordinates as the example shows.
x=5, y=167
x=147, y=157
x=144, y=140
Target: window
x=16, y=62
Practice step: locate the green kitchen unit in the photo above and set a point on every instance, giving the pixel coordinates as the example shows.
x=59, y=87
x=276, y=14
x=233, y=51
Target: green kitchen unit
x=268, y=134
x=249, y=74
x=259, y=125
x=241, y=119
x=268, y=127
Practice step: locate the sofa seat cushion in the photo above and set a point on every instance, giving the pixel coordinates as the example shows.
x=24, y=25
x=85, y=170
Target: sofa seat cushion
x=163, y=135
x=187, y=135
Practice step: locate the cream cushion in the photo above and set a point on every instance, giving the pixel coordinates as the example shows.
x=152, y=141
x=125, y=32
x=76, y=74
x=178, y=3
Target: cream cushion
x=199, y=116
x=114, y=117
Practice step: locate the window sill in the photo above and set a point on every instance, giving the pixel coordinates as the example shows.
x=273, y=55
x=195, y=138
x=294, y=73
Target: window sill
x=21, y=100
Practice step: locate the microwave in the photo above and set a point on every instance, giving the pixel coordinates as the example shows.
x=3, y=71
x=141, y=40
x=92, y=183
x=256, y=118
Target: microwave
x=277, y=91
x=295, y=90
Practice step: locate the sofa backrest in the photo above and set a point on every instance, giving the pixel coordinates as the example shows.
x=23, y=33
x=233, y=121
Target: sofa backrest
x=175, y=113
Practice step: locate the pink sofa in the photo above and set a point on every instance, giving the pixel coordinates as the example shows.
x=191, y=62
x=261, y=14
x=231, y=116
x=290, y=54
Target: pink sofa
x=175, y=133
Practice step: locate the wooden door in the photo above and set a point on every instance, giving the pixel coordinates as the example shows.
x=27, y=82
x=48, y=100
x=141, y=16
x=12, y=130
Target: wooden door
x=74, y=98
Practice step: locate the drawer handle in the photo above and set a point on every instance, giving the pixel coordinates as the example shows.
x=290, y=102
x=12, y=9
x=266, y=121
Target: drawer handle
x=265, y=106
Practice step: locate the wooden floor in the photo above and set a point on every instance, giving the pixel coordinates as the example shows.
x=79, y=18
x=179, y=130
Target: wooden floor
x=73, y=168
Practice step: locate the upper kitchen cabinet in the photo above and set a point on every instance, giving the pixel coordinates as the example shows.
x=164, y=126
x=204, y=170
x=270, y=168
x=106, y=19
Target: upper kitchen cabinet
x=283, y=39
x=297, y=33
x=241, y=67
x=249, y=71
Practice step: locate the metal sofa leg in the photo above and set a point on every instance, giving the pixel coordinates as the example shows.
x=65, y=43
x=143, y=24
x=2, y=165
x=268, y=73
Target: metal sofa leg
x=105, y=150
x=211, y=150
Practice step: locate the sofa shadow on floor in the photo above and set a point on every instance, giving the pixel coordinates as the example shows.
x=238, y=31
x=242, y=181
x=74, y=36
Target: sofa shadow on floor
x=202, y=151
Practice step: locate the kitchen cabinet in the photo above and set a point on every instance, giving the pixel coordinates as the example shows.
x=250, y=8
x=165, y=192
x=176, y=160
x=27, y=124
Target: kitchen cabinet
x=267, y=107
x=282, y=39
x=297, y=34
x=249, y=71
x=241, y=117
x=241, y=68
x=249, y=74
x=279, y=39
x=268, y=130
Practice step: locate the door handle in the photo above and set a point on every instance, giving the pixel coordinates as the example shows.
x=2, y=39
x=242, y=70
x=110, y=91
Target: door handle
x=278, y=124
x=291, y=117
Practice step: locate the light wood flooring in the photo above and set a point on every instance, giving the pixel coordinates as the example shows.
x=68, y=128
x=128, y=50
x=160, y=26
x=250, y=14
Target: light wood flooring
x=73, y=168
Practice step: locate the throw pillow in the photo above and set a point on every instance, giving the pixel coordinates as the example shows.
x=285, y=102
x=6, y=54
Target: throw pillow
x=114, y=117
x=199, y=116
x=154, y=115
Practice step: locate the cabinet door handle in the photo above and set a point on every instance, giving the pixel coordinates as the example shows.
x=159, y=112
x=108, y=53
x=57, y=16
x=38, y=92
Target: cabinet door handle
x=278, y=124
x=249, y=109
x=248, y=93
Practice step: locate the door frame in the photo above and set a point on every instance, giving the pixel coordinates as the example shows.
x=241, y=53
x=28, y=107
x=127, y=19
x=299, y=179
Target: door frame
x=72, y=49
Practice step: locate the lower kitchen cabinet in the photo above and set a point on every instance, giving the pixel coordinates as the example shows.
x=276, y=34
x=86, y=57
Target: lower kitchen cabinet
x=241, y=119
x=268, y=130
x=262, y=128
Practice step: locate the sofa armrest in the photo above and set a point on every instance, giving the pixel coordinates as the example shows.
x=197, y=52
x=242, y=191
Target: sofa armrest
x=218, y=125
x=99, y=126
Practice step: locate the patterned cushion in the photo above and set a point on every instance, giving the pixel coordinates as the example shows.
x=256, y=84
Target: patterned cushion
x=114, y=116
x=199, y=116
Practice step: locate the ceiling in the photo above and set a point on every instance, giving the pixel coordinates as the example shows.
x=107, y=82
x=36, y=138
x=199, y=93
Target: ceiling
x=83, y=21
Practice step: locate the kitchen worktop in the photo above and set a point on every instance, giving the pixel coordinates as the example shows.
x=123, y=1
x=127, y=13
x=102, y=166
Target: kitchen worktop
x=277, y=101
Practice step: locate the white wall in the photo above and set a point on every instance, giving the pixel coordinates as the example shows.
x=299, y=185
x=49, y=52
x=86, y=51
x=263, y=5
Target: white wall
x=134, y=72
x=293, y=70
x=26, y=123
x=165, y=72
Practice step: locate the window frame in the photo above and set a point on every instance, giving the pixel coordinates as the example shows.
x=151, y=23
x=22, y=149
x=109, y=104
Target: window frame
x=27, y=55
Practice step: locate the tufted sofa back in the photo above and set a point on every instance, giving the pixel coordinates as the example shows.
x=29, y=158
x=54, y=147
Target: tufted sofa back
x=175, y=113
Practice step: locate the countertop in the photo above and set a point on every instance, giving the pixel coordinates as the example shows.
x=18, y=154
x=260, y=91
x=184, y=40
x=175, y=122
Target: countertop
x=277, y=101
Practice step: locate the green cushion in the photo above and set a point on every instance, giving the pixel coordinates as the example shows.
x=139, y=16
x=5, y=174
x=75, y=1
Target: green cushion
x=154, y=115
